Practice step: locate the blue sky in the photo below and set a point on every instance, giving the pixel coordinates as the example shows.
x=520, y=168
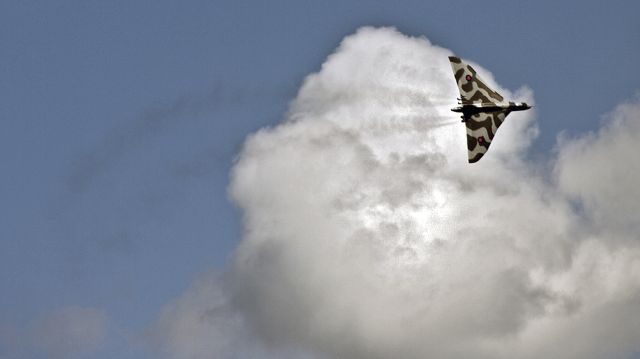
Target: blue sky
x=121, y=120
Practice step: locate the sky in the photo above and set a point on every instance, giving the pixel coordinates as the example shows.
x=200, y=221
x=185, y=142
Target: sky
x=260, y=161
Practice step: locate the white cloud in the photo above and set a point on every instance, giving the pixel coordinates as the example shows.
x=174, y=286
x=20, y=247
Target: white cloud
x=203, y=324
x=602, y=170
x=200, y=323
x=367, y=234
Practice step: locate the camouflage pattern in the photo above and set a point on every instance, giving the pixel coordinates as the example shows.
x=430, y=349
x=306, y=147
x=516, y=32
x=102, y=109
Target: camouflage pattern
x=472, y=89
x=481, y=128
x=483, y=109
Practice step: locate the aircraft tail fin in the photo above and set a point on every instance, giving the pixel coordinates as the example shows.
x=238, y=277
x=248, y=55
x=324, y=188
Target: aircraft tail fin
x=472, y=88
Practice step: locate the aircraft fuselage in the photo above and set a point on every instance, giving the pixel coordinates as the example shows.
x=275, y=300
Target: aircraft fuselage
x=469, y=110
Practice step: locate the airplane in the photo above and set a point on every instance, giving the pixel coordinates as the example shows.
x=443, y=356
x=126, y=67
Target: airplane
x=483, y=109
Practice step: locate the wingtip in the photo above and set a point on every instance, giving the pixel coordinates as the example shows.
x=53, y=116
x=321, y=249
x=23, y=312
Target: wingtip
x=476, y=158
x=454, y=59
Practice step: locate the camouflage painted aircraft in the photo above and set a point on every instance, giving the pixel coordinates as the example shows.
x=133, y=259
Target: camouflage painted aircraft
x=483, y=109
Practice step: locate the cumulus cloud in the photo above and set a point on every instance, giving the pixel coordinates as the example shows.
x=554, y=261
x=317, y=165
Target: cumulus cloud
x=203, y=324
x=199, y=323
x=368, y=235
x=601, y=170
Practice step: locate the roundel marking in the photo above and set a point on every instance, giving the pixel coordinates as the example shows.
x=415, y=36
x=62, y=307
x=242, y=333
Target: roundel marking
x=468, y=77
x=481, y=140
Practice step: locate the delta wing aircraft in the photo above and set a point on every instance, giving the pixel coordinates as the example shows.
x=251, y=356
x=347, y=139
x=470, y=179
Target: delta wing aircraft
x=483, y=109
